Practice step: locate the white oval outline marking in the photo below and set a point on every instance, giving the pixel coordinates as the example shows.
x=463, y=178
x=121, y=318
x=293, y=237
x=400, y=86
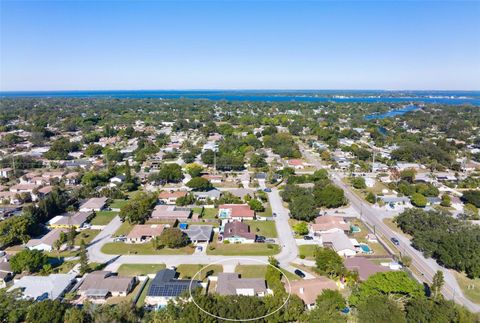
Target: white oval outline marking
x=240, y=320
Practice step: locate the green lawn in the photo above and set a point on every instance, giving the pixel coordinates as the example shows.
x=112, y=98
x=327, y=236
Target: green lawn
x=247, y=249
x=141, y=299
x=188, y=271
x=263, y=228
x=470, y=287
x=118, y=204
x=121, y=248
x=103, y=217
x=267, y=212
x=251, y=271
x=210, y=213
x=307, y=250
x=258, y=271
x=124, y=229
x=86, y=235
x=139, y=269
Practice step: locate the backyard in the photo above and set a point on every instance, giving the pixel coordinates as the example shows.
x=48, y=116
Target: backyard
x=263, y=228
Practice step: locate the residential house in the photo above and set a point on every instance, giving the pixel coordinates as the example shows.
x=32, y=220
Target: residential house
x=212, y=195
x=117, y=180
x=6, y=272
x=141, y=233
x=238, y=232
x=339, y=242
x=94, y=204
x=101, y=284
x=166, y=287
x=235, y=212
x=65, y=221
x=328, y=224
x=393, y=200
x=308, y=290
x=171, y=197
x=40, y=288
x=6, y=172
x=232, y=284
x=363, y=266
x=46, y=243
x=214, y=179
x=199, y=233
x=296, y=163
x=171, y=212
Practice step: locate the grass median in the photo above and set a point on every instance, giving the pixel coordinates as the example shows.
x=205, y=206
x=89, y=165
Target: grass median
x=246, y=249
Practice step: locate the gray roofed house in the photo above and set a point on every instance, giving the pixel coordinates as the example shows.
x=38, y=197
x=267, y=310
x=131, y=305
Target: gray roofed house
x=212, y=194
x=100, y=284
x=77, y=220
x=199, y=233
x=39, y=288
x=340, y=243
x=166, y=287
x=46, y=242
x=241, y=192
x=387, y=199
x=232, y=284
x=93, y=204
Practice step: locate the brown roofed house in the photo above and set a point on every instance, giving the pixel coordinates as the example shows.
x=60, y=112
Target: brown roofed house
x=171, y=197
x=101, y=284
x=170, y=212
x=238, y=232
x=144, y=232
x=364, y=267
x=329, y=224
x=238, y=212
x=308, y=290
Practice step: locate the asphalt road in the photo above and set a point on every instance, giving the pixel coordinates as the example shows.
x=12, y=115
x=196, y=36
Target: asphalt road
x=427, y=267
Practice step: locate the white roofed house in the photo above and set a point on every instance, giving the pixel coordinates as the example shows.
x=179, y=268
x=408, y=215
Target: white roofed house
x=40, y=288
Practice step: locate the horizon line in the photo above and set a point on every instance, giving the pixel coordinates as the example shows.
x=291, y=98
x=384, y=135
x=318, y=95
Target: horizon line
x=236, y=90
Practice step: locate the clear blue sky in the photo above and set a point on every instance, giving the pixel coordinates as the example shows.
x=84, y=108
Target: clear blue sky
x=89, y=45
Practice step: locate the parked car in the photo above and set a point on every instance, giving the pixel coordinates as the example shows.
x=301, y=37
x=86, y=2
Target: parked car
x=199, y=248
x=274, y=214
x=395, y=241
x=299, y=273
x=307, y=238
x=268, y=190
x=260, y=239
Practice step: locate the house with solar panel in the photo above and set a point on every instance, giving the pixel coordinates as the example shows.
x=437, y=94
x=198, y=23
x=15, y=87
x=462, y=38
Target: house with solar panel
x=165, y=287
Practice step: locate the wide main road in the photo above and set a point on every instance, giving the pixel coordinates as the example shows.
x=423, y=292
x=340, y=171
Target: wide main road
x=427, y=267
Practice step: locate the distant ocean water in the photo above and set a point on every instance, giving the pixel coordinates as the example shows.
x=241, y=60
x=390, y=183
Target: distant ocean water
x=368, y=96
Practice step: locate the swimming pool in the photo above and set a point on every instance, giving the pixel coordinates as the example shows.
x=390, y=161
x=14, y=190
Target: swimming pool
x=355, y=229
x=365, y=248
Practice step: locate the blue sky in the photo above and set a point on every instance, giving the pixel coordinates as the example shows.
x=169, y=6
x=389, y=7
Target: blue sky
x=89, y=45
